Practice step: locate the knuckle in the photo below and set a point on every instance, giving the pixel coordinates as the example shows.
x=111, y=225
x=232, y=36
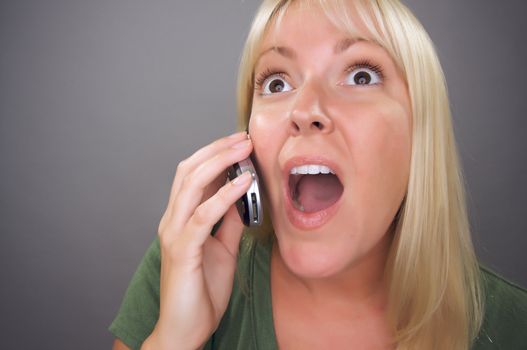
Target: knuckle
x=182, y=166
x=218, y=157
x=222, y=197
x=200, y=216
x=187, y=180
x=217, y=143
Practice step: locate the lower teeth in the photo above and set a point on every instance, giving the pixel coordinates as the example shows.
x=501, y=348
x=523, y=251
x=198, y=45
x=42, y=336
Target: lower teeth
x=298, y=205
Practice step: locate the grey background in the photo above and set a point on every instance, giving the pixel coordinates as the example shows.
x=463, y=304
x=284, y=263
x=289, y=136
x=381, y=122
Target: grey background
x=99, y=101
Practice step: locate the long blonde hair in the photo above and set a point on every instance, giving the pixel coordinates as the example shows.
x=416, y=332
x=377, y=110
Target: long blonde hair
x=435, y=297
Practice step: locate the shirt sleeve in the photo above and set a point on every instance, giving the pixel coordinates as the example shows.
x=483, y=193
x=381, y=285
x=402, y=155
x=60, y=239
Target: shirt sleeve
x=505, y=314
x=139, y=309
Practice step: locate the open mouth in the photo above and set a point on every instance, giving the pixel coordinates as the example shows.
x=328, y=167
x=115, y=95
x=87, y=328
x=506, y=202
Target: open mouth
x=314, y=192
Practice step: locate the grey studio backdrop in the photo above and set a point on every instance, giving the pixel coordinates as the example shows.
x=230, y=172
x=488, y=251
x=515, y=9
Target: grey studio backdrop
x=99, y=101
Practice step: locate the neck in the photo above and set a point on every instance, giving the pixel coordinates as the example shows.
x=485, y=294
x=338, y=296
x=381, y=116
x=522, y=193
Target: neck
x=361, y=283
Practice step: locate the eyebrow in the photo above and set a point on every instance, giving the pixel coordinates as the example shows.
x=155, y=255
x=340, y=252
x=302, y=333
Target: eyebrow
x=341, y=46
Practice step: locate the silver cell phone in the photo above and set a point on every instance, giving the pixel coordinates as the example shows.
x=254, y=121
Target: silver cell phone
x=249, y=205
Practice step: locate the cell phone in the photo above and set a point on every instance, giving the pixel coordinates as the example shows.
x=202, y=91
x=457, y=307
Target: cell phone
x=249, y=205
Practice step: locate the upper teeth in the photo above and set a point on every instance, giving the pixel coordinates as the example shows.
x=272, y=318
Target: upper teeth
x=311, y=169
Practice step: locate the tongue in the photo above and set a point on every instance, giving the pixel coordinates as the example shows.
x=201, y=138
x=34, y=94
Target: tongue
x=318, y=192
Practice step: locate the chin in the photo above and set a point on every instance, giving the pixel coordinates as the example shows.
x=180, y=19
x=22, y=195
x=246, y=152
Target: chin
x=310, y=260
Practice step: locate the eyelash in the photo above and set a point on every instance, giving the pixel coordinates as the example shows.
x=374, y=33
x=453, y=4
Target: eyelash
x=365, y=63
x=258, y=84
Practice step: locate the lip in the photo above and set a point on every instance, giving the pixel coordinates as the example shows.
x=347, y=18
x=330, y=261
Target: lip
x=300, y=219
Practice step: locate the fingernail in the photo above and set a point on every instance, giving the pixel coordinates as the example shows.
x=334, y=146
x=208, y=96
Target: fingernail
x=237, y=135
x=241, y=144
x=242, y=179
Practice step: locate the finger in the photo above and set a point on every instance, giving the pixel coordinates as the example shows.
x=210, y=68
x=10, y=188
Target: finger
x=230, y=231
x=194, y=184
x=197, y=158
x=201, y=155
x=209, y=212
x=213, y=187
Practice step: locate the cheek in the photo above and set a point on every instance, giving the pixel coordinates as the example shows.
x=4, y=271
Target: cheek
x=267, y=127
x=380, y=140
x=265, y=132
x=380, y=147
x=261, y=127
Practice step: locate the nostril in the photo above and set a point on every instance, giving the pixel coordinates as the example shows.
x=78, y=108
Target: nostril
x=318, y=125
x=296, y=127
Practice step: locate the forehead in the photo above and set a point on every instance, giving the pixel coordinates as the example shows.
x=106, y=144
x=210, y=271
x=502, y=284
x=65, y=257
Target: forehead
x=305, y=22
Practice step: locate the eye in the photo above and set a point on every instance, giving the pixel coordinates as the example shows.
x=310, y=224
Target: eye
x=364, y=73
x=272, y=83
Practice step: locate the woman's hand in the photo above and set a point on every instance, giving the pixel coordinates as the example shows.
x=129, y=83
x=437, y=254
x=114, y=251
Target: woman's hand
x=197, y=270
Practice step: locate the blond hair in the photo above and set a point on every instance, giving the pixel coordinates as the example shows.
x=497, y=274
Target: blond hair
x=435, y=297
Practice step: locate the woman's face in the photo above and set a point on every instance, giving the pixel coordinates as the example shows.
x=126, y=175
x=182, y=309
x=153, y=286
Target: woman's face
x=322, y=98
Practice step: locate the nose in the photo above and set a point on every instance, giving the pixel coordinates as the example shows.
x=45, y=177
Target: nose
x=308, y=115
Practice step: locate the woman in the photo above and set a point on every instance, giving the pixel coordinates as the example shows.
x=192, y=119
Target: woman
x=375, y=254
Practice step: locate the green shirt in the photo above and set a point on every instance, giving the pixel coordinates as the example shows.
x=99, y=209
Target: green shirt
x=248, y=320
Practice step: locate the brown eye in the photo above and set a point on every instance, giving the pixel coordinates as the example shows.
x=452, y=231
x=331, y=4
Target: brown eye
x=363, y=76
x=275, y=84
